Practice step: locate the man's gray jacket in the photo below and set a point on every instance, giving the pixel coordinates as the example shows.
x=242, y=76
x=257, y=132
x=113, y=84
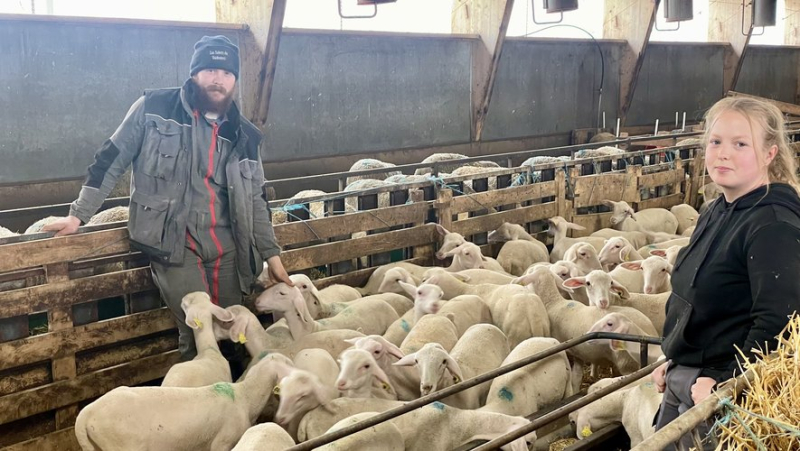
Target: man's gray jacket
x=156, y=138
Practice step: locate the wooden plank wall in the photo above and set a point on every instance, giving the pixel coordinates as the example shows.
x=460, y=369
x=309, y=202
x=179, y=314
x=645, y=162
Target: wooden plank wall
x=45, y=378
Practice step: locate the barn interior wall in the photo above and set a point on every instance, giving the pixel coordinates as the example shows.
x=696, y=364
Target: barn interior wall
x=338, y=96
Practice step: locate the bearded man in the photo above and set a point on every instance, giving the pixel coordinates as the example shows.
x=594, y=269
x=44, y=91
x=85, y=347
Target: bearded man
x=197, y=205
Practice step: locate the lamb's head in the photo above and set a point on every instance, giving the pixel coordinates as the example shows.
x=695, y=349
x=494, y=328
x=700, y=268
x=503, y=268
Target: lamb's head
x=310, y=293
x=358, y=369
x=584, y=255
x=540, y=280
x=285, y=299
x=565, y=269
x=611, y=252
x=380, y=348
x=236, y=329
x=619, y=211
x=670, y=253
x=467, y=256
x=501, y=234
x=599, y=287
x=450, y=241
x=431, y=362
x=558, y=225
x=392, y=278
x=427, y=297
x=657, y=271
x=616, y=323
x=299, y=392
x=198, y=308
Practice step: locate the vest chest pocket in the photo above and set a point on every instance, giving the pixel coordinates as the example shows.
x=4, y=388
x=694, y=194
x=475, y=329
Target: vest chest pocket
x=161, y=149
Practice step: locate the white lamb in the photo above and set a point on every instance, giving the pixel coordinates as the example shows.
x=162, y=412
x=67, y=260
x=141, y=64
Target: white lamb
x=422, y=428
x=634, y=406
x=327, y=302
x=393, y=277
x=636, y=238
x=616, y=251
x=264, y=436
x=444, y=167
x=651, y=219
x=37, y=226
x=670, y=253
x=377, y=277
x=682, y=242
x=430, y=329
x=535, y=386
x=519, y=313
x=427, y=300
x=319, y=362
x=370, y=163
x=571, y=319
x=466, y=311
x=469, y=256
x=656, y=272
x=213, y=417
x=113, y=214
x=472, y=276
x=509, y=232
x=482, y=348
x=450, y=240
x=618, y=323
x=405, y=380
x=558, y=228
x=370, y=315
x=686, y=215
x=381, y=437
x=585, y=257
x=209, y=366
x=248, y=330
x=518, y=255
x=603, y=291
x=299, y=392
x=360, y=376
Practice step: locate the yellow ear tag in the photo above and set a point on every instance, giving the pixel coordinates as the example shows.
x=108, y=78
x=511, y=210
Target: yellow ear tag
x=618, y=345
x=277, y=391
x=456, y=379
x=627, y=255
x=199, y=323
x=242, y=338
x=586, y=432
x=386, y=387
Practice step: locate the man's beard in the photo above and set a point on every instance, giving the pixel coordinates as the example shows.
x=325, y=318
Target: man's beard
x=204, y=102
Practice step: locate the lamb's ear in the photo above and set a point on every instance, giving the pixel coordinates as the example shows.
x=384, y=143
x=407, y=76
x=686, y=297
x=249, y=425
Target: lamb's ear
x=574, y=282
x=659, y=252
x=352, y=341
x=669, y=269
x=454, y=369
x=391, y=349
x=383, y=378
x=574, y=226
x=619, y=289
x=408, y=360
x=632, y=266
x=221, y=314
x=608, y=203
x=192, y=320
x=523, y=280
x=408, y=288
x=442, y=231
x=630, y=213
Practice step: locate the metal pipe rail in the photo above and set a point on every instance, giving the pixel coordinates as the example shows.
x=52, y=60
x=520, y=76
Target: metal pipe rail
x=469, y=383
x=506, y=155
x=567, y=409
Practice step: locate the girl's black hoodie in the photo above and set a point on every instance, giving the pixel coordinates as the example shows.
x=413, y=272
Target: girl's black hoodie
x=737, y=282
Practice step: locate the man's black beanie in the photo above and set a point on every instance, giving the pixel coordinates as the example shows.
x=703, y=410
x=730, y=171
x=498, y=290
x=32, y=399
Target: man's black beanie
x=215, y=52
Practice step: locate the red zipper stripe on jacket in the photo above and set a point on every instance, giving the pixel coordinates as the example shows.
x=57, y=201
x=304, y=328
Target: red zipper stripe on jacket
x=212, y=199
x=193, y=248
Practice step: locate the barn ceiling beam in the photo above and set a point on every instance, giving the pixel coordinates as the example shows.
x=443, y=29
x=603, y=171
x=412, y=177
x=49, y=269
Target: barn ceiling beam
x=489, y=20
x=258, y=50
x=632, y=21
x=726, y=24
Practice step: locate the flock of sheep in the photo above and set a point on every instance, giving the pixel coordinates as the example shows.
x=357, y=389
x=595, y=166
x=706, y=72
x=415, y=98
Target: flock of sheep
x=342, y=354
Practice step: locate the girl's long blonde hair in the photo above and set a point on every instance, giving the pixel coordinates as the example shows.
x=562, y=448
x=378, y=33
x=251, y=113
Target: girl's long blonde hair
x=783, y=167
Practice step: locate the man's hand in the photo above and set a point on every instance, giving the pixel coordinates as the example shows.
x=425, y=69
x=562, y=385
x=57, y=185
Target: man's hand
x=659, y=377
x=276, y=271
x=63, y=226
x=701, y=389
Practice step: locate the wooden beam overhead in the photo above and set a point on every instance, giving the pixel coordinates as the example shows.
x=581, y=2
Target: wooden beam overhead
x=489, y=20
x=725, y=25
x=631, y=20
x=258, y=50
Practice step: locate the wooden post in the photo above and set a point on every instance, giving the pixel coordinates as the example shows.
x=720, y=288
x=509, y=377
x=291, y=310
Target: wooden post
x=489, y=20
x=59, y=319
x=444, y=211
x=561, y=194
x=258, y=50
x=698, y=169
x=426, y=251
x=725, y=25
x=631, y=20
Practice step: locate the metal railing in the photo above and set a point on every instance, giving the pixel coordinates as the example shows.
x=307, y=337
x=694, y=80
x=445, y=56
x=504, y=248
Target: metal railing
x=477, y=380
